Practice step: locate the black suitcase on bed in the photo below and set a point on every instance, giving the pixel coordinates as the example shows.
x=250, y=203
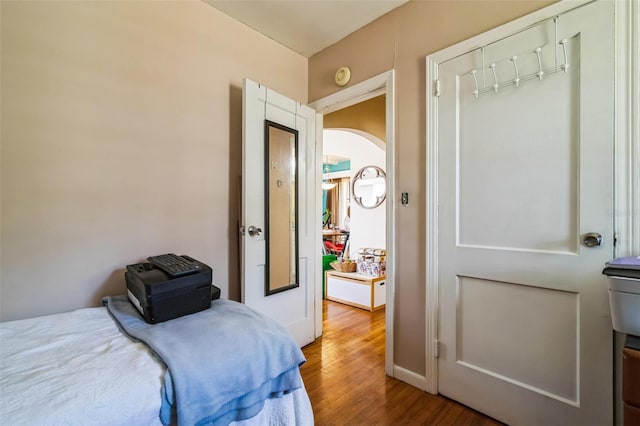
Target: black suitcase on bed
x=160, y=296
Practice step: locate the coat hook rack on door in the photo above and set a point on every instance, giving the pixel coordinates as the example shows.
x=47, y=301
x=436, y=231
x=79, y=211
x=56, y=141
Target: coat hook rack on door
x=518, y=79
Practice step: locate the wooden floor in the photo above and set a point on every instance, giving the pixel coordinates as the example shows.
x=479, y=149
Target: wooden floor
x=345, y=378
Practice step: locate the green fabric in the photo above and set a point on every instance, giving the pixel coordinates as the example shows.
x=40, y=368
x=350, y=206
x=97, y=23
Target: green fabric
x=326, y=261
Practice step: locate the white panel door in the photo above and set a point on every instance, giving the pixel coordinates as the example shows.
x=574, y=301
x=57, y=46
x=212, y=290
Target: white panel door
x=294, y=308
x=525, y=173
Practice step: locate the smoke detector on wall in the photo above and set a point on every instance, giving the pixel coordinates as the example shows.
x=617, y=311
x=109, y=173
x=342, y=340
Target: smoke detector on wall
x=343, y=75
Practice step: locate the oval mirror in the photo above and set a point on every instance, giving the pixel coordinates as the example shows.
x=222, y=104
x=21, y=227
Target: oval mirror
x=369, y=187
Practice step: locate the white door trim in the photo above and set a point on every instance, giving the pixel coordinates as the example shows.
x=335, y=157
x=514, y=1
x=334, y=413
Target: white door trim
x=627, y=122
x=375, y=86
x=627, y=148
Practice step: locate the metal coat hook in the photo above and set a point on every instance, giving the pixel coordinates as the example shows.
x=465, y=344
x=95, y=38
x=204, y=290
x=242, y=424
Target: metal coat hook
x=525, y=71
x=475, y=80
x=484, y=68
x=537, y=52
x=555, y=26
x=565, y=66
x=516, y=80
x=496, y=86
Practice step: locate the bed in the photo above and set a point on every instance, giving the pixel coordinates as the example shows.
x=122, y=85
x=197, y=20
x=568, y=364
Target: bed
x=82, y=367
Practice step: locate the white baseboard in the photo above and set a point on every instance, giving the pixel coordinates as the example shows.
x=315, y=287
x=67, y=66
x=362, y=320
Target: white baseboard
x=409, y=377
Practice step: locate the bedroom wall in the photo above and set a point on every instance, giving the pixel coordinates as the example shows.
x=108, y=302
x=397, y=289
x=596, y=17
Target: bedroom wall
x=120, y=139
x=402, y=40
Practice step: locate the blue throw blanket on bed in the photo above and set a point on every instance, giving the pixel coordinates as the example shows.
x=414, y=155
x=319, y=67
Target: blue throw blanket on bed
x=223, y=363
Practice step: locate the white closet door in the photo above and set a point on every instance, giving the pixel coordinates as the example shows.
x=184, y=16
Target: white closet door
x=525, y=175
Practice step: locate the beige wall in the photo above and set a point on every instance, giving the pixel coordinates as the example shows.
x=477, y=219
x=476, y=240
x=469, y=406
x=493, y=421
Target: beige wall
x=401, y=40
x=368, y=116
x=121, y=138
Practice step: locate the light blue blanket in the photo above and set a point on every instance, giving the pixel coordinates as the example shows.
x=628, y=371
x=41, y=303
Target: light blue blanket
x=223, y=363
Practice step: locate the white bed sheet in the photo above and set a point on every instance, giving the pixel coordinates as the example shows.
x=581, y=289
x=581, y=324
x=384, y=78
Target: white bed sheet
x=77, y=368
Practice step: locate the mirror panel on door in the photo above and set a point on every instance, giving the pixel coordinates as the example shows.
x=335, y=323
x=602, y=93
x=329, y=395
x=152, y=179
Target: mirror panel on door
x=281, y=210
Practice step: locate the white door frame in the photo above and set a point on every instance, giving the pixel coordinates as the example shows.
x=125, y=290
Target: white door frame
x=627, y=148
x=375, y=86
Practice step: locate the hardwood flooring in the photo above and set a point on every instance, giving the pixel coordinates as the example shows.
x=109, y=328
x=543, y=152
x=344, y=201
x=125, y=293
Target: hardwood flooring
x=345, y=378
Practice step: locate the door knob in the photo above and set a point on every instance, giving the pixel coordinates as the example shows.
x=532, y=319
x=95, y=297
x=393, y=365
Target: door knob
x=254, y=230
x=592, y=239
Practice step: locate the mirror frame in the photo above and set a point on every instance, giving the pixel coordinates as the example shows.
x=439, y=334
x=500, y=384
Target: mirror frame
x=359, y=176
x=268, y=243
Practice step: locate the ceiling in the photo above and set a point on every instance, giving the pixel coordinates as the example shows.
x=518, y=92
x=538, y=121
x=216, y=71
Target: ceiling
x=305, y=26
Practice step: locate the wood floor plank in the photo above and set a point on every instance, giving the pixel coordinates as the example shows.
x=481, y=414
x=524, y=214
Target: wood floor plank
x=346, y=381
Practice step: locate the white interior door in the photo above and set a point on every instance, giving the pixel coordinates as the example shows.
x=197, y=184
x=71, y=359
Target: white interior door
x=525, y=172
x=293, y=307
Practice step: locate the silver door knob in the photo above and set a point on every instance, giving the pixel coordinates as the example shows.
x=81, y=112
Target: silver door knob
x=592, y=239
x=254, y=230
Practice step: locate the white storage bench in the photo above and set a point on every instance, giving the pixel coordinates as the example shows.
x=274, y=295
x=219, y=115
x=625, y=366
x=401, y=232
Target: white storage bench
x=355, y=289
